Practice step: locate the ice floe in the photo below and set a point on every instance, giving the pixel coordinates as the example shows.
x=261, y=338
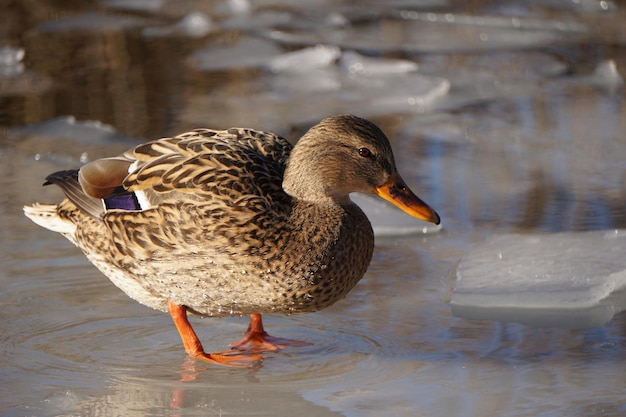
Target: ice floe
x=355, y=63
x=193, y=25
x=607, y=77
x=303, y=60
x=572, y=280
x=135, y=5
x=308, y=84
x=15, y=79
x=11, y=61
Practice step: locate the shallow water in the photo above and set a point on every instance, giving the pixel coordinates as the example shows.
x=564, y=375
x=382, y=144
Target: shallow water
x=526, y=139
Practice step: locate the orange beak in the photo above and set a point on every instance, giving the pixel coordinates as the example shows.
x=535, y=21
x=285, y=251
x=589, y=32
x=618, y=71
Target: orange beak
x=396, y=192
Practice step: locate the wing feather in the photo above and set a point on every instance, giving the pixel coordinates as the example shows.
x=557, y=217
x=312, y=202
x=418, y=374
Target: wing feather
x=68, y=182
x=229, y=168
x=210, y=164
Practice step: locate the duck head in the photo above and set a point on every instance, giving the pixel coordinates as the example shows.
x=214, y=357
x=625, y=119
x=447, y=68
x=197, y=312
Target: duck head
x=346, y=154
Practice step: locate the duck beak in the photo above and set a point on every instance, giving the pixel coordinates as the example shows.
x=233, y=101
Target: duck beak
x=396, y=192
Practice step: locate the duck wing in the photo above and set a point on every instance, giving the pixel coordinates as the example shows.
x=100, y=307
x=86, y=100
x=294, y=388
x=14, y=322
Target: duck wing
x=179, y=192
x=205, y=164
x=230, y=165
x=68, y=182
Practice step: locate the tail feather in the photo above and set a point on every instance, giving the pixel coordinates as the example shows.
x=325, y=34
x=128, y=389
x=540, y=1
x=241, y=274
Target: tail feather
x=45, y=215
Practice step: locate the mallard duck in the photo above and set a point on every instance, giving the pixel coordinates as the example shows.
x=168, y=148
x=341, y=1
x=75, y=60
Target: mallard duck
x=233, y=222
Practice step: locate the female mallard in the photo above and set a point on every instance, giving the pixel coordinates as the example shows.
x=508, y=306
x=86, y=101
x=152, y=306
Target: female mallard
x=232, y=222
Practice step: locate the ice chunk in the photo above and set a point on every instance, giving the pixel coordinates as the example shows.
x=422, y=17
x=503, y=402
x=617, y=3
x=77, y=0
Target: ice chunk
x=300, y=98
x=304, y=60
x=411, y=93
x=194, y=25
x=336, y=19
x=594, y=6
x=15, y=79
x=11, y=61
x=238, y=6
x=303, y=97
x=354, y=63
x=572, y=280
x=65, y=402
x=607, y=77
x=10, y=55
x=136, y=5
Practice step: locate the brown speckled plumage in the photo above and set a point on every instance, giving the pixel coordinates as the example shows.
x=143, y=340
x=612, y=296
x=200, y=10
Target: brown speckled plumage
x=231, y=222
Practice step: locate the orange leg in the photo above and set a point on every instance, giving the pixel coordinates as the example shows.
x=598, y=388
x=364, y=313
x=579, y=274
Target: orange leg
x=257, y=339
x=194, y=348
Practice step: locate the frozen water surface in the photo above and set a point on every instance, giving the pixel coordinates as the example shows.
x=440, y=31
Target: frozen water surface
x=309, y=84
x=506, y=117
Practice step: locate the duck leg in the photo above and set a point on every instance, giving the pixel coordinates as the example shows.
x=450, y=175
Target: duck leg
x=257, y=340
x=194, y=348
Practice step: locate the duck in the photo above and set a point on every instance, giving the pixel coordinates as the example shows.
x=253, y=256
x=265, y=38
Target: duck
x=235, y=222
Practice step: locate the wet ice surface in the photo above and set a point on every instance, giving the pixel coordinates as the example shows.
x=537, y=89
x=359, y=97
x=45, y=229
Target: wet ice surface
x=508, y=119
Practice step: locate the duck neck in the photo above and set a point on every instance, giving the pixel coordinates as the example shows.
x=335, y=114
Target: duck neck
x=311, y=173
x=304, y=185
x=314, y=186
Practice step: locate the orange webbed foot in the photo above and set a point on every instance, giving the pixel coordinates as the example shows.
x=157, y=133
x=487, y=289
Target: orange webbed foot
x=233, y=359
x=194, y=348
x=257, y=339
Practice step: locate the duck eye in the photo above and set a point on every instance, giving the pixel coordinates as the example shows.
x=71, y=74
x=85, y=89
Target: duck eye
x=365, y=153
